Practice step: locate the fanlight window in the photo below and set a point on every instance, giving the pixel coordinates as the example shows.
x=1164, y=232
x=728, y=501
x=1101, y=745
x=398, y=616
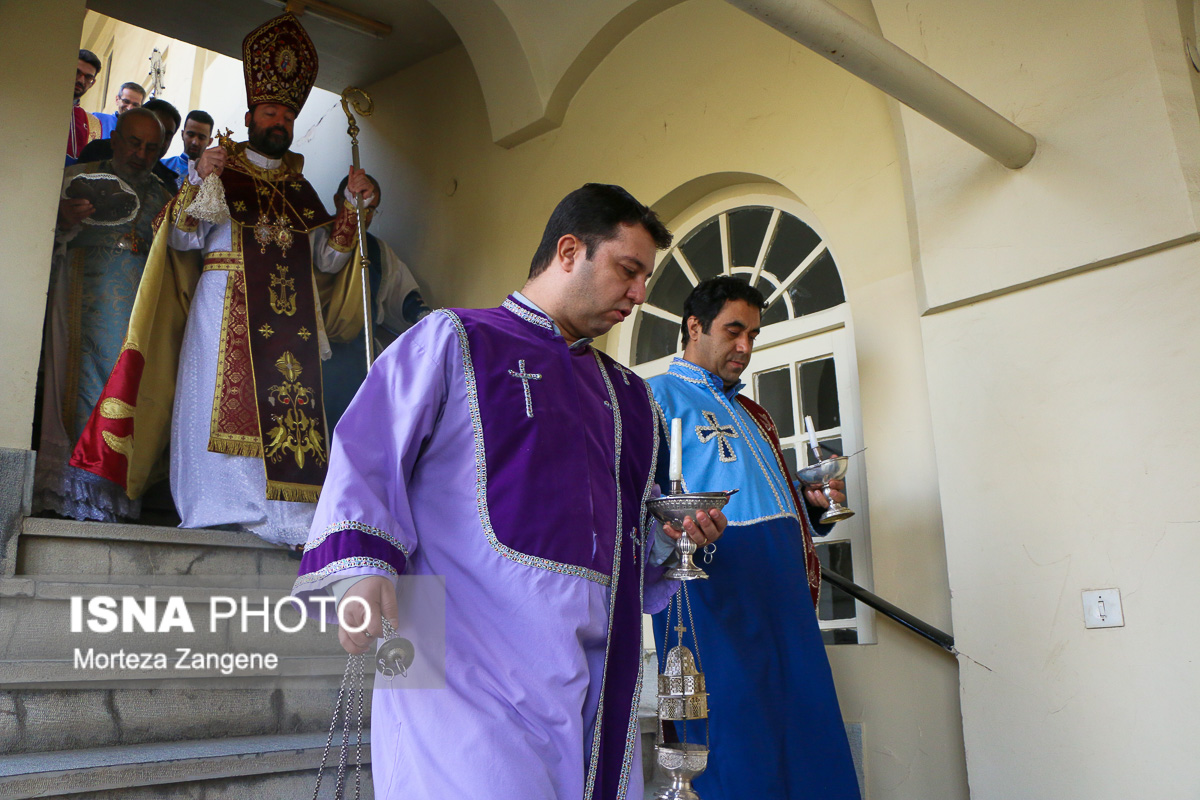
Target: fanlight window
x=769, y=248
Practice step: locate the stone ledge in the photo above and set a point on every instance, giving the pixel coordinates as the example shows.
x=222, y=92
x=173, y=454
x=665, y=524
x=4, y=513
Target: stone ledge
x=106, y=768
x=72, y=529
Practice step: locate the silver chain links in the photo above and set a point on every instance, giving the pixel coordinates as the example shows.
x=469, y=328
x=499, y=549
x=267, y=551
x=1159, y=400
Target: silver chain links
x=687, y=599
x=352, y=692
x=352, y=679
x=710, y=550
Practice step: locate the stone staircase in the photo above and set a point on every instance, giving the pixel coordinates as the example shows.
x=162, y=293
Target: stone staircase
x=83, y=734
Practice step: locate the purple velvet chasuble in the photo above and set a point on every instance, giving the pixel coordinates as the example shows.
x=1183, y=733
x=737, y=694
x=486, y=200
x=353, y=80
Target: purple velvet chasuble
x=484, y=450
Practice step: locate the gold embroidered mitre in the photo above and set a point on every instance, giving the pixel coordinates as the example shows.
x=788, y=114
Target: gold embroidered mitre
x=280, y=63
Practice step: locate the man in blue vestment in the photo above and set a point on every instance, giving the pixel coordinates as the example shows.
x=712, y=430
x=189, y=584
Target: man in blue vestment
x=102, y=248
x=196, y=135
x=497, y=449
x=776, y=729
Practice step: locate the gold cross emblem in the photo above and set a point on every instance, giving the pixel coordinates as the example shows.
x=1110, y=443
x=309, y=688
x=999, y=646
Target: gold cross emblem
x=266, y=331
x=304, y=333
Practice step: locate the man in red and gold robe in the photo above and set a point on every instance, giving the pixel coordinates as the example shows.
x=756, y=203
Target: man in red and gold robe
x=227, y=335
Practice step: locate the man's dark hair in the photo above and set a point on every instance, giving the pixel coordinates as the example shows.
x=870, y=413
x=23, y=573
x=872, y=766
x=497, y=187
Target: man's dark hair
x=203, y=117
x=156, y=105
x=88, y=57
x=710, y=296
x=341, y=190
x=137, y=87
x=593, y=213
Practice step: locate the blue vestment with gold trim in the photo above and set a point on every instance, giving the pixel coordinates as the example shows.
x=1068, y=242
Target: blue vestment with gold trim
x=775, y=727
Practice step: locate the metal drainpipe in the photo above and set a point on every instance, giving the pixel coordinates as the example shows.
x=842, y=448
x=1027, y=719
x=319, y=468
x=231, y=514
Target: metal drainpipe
x=843, y=40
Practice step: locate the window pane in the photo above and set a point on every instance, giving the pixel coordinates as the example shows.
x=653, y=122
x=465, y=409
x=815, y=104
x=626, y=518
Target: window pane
x=840, y=636
x=793, y=242
x=747, y=227
x=818, y=288
x=829, y=447
x=703, y=250
x=818, y=393
x=776, y=313
x=835, y=604
x=774, y=392
x=656, y=337
x=671, y=287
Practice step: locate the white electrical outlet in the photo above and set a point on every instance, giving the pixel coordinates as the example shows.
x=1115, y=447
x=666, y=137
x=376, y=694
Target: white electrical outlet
x=1102, y=609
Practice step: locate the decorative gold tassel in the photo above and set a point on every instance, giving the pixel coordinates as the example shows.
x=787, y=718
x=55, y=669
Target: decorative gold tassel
x=235, y=447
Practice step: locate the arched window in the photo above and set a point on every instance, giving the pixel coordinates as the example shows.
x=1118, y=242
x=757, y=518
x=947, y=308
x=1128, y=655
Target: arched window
x=803, y=362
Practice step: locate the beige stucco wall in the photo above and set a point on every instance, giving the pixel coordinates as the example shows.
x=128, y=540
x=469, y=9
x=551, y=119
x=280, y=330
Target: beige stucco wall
x=1064, y=411
x=1067, y=440
x=1116, y=165
x=39, y=44
x=699, y=97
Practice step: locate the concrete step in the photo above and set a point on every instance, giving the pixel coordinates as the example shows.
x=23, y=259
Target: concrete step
x=35, y=720
x=52, y=705
x=245, y=767
x=57, y=546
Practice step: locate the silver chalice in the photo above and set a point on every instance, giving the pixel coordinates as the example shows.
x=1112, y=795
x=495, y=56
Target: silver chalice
x=824, y=471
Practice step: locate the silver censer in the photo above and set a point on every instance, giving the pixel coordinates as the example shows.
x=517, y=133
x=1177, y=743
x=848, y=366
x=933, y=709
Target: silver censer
x=672, y=509
x=681, y=697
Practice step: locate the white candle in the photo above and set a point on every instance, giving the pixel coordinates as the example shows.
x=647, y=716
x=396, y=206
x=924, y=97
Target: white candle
x=676, y=449
x=812, y=436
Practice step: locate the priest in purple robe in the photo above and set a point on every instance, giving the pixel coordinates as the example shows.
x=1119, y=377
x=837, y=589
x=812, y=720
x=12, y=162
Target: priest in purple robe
x=498, y=450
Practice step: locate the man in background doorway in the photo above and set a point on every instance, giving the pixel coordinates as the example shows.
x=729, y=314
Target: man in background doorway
x=196, y=136
x=84, y=127
x=130, y=95
x=397, y=307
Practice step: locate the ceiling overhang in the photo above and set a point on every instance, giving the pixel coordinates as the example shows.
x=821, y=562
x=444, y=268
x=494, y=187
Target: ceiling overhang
x=530, y=56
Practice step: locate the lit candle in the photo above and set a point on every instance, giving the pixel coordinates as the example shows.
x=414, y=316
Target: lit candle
x=812, y=436
x=676, y=449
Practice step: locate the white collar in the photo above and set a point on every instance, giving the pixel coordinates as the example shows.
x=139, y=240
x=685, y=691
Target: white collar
x=259, y=160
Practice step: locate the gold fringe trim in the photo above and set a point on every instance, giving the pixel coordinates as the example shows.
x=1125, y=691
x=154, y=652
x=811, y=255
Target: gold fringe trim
x=249, y=448
x=293, y=492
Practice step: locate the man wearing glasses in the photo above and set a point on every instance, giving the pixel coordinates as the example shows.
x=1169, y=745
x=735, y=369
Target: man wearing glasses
x=84, y=127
